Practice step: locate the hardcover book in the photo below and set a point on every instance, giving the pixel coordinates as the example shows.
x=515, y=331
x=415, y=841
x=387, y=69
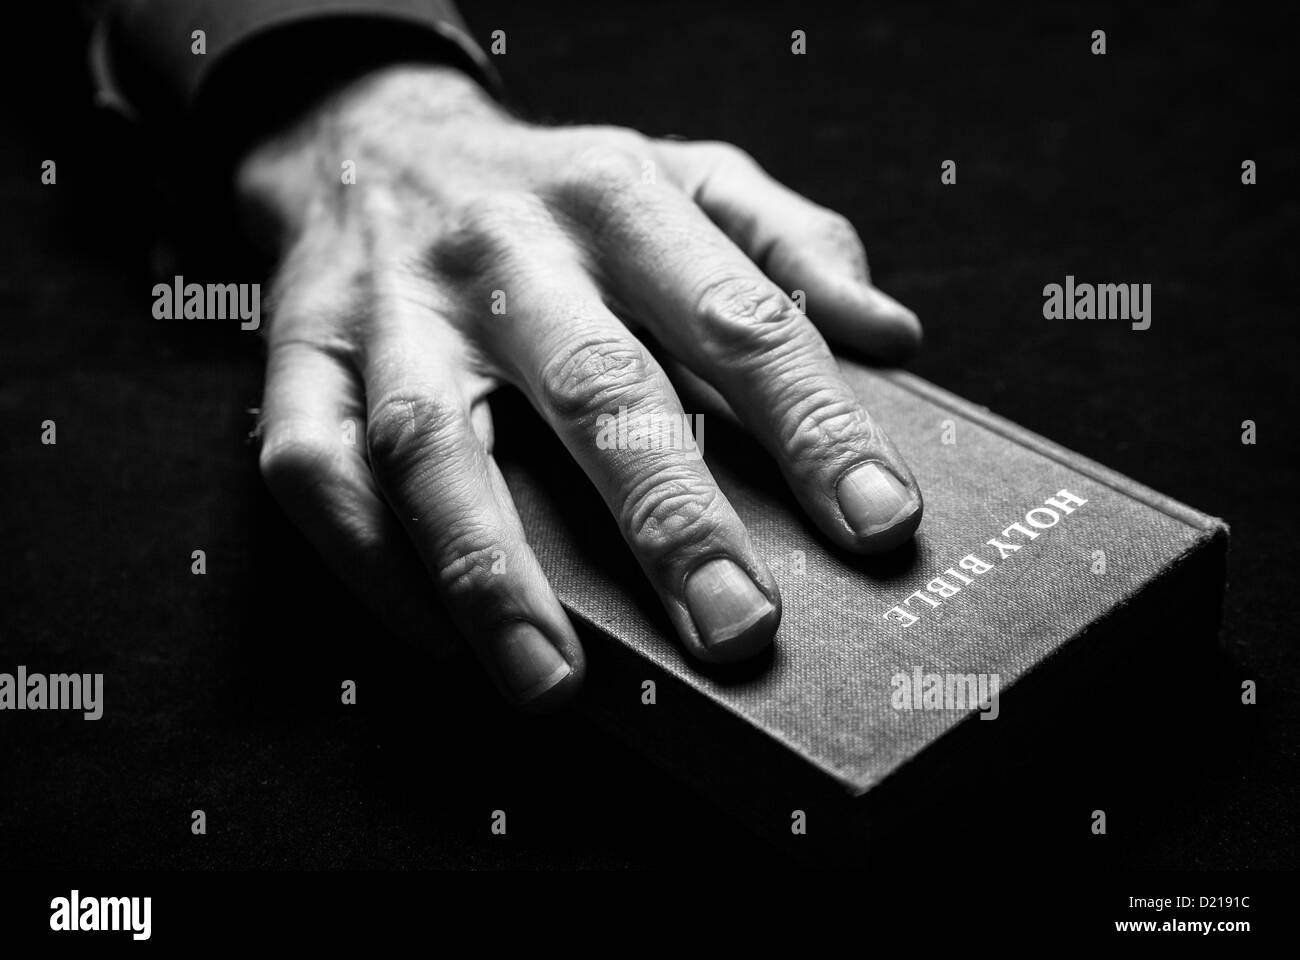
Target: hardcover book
x=1038, y=579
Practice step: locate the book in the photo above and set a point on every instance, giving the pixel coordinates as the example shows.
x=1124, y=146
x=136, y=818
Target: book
x=1039, y=585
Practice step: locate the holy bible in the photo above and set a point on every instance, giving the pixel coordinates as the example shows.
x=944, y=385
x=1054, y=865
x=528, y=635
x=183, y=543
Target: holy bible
x=1040, y=587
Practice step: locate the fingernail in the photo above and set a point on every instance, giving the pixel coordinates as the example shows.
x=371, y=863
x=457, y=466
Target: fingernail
x=873, y=499
x=728, y=608
x=526, y=662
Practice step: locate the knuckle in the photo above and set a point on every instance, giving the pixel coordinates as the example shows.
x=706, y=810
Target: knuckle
x=746, y=315
x=823, y=424
x=501, y=212
x=292, y=459
x=598, y=179
x=468, y=557
x=670, y=511
x=837, y=232
x=591, y=376
x=710, y=161
x=311, y=299
x=615, y=159
x=405, y=427
x=722, y=155
x=490, y=226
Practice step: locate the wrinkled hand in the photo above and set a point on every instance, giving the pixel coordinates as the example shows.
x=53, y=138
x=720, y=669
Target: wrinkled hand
x=475, y=249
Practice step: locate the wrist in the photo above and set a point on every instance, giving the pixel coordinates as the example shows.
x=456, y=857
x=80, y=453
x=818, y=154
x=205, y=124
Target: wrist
x=413, y=93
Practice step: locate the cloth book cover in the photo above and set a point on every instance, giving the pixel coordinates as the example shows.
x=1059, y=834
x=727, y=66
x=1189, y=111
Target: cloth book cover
x=1033, y=568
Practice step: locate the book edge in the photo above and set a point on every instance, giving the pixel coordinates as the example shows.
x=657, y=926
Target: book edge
x=1205, y=541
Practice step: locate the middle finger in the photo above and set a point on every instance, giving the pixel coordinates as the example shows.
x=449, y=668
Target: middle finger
x=712, y=307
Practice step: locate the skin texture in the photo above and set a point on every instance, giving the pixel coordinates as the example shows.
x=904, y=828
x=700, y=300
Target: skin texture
x=475, y=250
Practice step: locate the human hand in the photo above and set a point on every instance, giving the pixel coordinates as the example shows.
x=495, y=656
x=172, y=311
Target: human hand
x=475, y=250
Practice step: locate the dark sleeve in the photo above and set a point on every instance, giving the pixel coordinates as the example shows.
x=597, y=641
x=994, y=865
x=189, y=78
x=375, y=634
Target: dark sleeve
x=262, y=57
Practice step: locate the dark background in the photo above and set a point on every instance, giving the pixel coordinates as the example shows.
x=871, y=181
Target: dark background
x=222, y=692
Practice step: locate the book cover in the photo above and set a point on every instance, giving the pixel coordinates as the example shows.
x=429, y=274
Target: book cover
x=1037, y=578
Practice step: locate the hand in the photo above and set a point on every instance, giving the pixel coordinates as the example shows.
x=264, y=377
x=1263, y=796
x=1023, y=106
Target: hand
x=577, y=236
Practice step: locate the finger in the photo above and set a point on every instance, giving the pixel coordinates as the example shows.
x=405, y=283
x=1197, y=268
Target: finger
x=449, y=494
x=312, y=458
x=618, y=415
x=717, y=312
x=800, y=245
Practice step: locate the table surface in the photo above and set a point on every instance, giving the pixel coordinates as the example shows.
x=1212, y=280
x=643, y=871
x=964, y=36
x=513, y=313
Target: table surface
x=223, y=690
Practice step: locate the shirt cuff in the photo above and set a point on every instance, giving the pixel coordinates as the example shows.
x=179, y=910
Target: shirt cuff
x=145, y=64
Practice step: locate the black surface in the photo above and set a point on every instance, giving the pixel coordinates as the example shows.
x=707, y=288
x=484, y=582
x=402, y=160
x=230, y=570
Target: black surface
x=223, y=691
